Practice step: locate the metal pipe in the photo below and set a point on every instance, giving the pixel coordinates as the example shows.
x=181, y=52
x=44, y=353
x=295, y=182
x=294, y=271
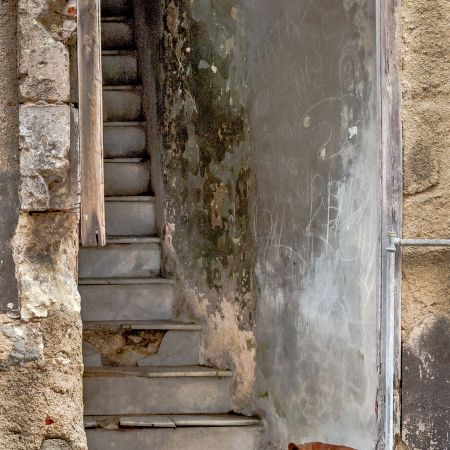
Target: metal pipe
x=422, y=242
x=389, y=344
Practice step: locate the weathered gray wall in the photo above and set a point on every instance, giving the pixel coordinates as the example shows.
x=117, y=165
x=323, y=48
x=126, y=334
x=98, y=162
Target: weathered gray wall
x=314, y=127
x=9, y=152
x=270, y=151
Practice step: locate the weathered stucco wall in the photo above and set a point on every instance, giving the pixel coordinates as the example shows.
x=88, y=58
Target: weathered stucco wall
x=426, y=288
x=314, y=125
x=270, y=160
x=207, y=182
x=40, y=335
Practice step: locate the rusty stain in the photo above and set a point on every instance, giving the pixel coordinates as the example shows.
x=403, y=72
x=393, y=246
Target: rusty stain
x=49, y=421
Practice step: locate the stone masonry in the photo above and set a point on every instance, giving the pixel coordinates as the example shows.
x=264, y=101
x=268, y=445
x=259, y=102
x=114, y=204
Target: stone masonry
x=40, y=342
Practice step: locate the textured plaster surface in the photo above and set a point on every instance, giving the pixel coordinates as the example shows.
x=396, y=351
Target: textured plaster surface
x=207, y=183
x=426, y=281
x=269, y=152
x=313, y=121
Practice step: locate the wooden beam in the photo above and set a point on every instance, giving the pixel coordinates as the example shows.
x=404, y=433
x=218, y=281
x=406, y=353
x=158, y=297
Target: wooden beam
x=91, y=123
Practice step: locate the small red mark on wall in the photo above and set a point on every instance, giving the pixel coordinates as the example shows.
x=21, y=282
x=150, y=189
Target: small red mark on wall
x=49, y=421
x=317, y=446
x=71, y=11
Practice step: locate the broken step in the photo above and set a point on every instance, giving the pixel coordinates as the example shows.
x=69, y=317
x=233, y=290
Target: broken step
x=198, y=432
x=122, y=258
x=171, y=421
x=104, y=299
x=130, y=215
x=156, y=390
x=124, y=139
x=142, y=343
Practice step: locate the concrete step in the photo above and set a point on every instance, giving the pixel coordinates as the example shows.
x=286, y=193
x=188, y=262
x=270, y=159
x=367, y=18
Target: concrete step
x=124, y=139
x=121, y=260
x=130, y=215
x=116, y=7
x=122, y=103
x=201, y=438
x=117, y=33
x=191, y=432
x=119, y=67
x=127, y=176
x=156, y=390
x=105, y=299
x=142, y=343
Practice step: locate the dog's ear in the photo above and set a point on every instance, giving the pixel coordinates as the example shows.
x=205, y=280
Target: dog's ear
x=293, y=447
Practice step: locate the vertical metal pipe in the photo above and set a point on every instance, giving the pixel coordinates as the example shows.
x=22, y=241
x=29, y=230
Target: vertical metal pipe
x=389, y=344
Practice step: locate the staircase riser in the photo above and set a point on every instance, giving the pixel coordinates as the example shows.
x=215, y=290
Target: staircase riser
x=208, y=438
x=115, y=7
x=120, y=260
x=122, y=106
x=126, y=302
x=119, y=70
x=139, y=395
x=124, y=142
x=127, y=178
x=117, y=36
x=130, y=218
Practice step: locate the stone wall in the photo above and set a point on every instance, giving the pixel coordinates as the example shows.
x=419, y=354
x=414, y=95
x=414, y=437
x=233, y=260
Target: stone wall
x=40, y=336
x=426, y=280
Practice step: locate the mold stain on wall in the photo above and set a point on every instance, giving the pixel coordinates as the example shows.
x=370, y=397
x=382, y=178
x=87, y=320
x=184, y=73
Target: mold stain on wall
x=208, y=181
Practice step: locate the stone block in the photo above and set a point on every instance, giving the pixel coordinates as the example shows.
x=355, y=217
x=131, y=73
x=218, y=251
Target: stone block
x=44, y=69
x=55, y=444
x=45, y=254
x=48, y=158
x=20, y=344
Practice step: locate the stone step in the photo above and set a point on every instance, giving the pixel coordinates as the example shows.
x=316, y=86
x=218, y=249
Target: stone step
x=171, y=421
x=122, y=103
x=170, y=438
x=117, y=33
x=120, y=67
x=130, y=215
x=105, y=299
x=121, y=260
x=156, y=390
x=142, y=343
x=127, y=176
x=116, y=7
x=124, y=139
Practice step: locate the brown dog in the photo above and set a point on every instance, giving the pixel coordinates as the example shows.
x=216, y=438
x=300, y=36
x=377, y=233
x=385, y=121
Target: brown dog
x=317, y=446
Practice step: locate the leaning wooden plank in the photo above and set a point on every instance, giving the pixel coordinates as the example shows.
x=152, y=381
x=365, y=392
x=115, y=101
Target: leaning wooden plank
x=91, y=127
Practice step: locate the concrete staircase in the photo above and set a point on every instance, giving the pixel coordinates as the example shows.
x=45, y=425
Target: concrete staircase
x=143, y=385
